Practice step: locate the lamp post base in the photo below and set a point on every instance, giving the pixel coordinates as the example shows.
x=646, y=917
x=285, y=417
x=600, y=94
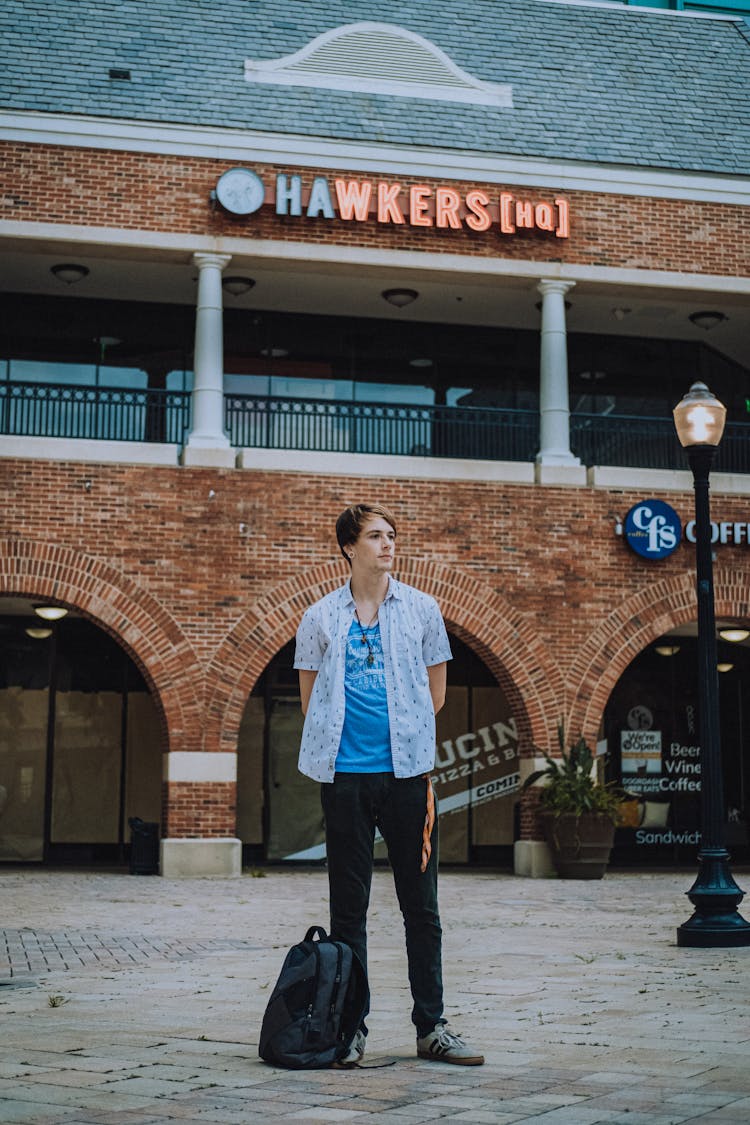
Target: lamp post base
x=715, y=896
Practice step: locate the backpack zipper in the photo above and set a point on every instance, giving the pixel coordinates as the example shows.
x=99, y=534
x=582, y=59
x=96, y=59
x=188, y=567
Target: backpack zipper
x=310, y=1009
x=337, y=979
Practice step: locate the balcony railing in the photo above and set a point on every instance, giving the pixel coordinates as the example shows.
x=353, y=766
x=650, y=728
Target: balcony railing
x=470, y=433
x=103, y=413
x=358, y=427
x=650, y=443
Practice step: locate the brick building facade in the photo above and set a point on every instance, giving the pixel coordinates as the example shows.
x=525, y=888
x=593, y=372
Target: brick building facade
x=197, y=555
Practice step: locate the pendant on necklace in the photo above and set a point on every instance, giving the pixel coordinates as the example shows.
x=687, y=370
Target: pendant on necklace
x=370, y=659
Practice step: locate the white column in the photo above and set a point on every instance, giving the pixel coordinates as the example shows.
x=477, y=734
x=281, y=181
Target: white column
x=554, y=406
x=207, y=443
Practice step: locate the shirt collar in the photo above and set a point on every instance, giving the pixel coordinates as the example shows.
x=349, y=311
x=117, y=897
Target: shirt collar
x=393, y=591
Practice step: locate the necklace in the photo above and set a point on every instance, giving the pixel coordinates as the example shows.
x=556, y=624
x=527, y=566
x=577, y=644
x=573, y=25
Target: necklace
x=365, y=638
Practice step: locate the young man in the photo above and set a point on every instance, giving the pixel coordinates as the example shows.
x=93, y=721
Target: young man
x=372, y=668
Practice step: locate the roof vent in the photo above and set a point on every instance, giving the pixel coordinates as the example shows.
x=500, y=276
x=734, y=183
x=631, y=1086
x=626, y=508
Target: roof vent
x=378, y=58
x=119, y=75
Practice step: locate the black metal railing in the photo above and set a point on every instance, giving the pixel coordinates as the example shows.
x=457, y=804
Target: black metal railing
x=104, y=413
x=626, y=440
x=357, y=427
x=268, y=422
x=635, y=441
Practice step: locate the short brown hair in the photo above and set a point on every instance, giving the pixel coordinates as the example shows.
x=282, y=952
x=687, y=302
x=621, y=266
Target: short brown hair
x=350, y=523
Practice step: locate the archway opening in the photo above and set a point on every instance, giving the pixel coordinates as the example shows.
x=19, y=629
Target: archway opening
x=476, y=777
x=80, y=741
x=651, y=728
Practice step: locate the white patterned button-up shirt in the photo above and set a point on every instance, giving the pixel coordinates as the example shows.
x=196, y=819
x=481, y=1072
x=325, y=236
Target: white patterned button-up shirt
x=413, y=637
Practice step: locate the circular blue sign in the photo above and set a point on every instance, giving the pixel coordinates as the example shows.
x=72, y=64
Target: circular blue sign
x=240, y=191
x=652, y=529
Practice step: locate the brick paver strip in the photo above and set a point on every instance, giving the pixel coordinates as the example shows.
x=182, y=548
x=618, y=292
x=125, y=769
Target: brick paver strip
x=27, y=952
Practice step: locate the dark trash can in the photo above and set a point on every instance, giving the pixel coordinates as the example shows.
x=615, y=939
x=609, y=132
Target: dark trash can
x=144, y=847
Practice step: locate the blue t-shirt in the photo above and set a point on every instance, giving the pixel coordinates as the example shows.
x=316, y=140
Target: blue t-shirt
x=365, y=739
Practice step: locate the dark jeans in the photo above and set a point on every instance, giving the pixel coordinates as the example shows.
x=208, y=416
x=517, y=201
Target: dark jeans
x=355, y=804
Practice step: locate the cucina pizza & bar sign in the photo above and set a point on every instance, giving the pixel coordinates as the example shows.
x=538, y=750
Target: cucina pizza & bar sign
x=240, y=191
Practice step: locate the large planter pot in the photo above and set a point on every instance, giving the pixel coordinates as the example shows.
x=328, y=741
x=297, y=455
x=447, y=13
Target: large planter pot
x=580, y=846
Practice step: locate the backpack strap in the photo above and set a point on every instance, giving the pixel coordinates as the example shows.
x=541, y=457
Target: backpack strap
x=316, y=931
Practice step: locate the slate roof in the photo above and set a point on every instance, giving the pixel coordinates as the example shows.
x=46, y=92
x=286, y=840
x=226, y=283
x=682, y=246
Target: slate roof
x=607, y=85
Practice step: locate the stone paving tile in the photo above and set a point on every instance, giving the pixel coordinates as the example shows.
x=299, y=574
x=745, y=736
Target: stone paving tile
x=645, y=1119
x=76, y=1097
x=576, y=1115
x=76, y=1078
x=485, y=1117
x=148, y=1116
x=406, y=1114
x=323, y=1114
x=224, y=1112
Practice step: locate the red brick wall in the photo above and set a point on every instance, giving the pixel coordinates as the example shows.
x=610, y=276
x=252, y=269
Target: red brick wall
x=137, y=191
x=533, y=578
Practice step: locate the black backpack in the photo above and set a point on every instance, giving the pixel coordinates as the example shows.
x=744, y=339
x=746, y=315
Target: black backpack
x=317, y=1004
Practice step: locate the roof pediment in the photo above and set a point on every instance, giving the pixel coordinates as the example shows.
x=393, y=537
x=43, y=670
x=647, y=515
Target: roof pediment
x=378, y=58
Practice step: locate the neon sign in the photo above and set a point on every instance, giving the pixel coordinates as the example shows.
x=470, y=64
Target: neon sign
x=241, y=191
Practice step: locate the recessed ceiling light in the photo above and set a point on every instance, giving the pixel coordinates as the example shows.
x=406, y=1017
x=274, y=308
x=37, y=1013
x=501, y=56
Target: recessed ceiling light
x=707, y=319
x=236, y=286
x=736, y=636
x=724, y=667
x=400, y=298
x=50, y=612
x=667, y=650
x=69, y=273
x=38, y=633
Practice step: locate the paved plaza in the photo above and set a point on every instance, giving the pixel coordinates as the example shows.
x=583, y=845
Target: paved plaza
x=128, y=1000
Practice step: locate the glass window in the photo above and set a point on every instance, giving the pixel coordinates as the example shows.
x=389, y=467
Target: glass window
x=409, y=394
x=43, y=371
x=337, y=390
x=182, y=381
x=122, y=377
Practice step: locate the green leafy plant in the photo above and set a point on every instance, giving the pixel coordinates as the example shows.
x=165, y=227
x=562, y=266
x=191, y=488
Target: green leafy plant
x=570, y=786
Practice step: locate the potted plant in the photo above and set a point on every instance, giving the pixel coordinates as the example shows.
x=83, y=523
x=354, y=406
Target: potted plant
x=578, y=815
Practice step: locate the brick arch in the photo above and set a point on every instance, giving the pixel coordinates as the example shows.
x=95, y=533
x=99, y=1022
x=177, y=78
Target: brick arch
x=483, y=619
x=634, y=624
x=94, y=588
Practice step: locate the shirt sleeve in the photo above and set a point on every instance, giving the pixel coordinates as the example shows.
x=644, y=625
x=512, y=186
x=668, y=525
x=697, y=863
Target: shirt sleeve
x=311, y=647
x=436, y=647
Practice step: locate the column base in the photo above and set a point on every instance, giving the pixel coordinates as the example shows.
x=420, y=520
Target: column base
x=219, y=856
x=209, y=456
x=531, y=859
x=561, y=472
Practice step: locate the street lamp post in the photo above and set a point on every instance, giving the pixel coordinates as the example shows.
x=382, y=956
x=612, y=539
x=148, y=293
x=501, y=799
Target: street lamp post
x=699, y=420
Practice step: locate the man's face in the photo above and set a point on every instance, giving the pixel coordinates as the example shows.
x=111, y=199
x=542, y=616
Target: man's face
x=376, y=546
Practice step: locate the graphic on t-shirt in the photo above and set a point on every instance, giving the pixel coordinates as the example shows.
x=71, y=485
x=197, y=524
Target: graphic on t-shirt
x=362, y=672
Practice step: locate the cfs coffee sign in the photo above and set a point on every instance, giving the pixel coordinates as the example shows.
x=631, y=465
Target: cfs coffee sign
x=654, y=530
x=243, y=192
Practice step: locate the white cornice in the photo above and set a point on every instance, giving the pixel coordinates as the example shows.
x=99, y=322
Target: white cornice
x=179, y=245
x=288, y=150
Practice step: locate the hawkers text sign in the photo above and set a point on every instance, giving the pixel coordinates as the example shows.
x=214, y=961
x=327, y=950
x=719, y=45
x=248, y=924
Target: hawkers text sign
x=242, y=192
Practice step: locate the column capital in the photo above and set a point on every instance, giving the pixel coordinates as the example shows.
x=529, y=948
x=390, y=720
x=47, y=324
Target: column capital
x=202, y=260
x=554, y=285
